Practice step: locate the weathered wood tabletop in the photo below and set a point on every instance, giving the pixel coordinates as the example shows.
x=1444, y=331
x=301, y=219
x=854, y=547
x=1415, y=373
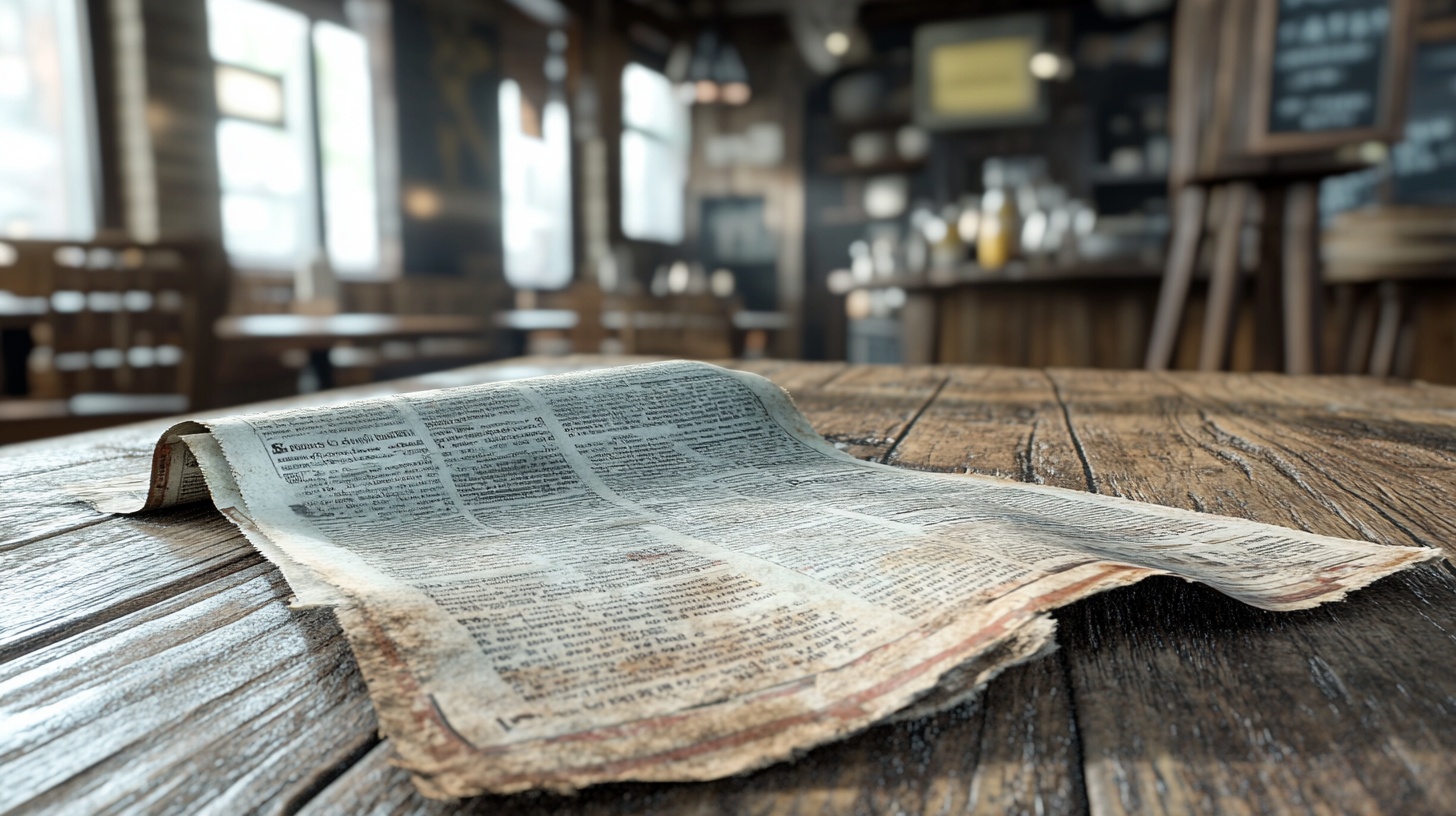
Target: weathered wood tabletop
x=150, y=664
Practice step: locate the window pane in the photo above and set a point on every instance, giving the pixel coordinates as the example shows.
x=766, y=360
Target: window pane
x=266, y=226
x=258, y=158
x=536, y=194
x=249, y=95
x=346, y=141
x=652, y=189
x=45, y=157
x=266, y=171
x=255, y=34
x=648, y=102
x=654, y=156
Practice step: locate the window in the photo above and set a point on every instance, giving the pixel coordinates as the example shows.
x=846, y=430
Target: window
x=280, y=165
x=535, y=191
x=45, y=137
x=654, y=157
x=346, y=143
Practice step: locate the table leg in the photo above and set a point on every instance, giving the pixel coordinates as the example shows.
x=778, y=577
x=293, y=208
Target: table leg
x=323, y=368
x=1268, y=282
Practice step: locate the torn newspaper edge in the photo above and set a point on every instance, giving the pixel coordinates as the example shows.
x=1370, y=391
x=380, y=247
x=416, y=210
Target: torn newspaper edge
x=661, y=572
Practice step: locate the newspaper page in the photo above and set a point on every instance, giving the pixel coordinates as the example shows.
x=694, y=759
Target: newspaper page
x=661, y=572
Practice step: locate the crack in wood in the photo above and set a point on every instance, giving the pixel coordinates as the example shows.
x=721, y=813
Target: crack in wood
x=1087, y=472
x=919, y=412
x=75, y=626
x=14, y=543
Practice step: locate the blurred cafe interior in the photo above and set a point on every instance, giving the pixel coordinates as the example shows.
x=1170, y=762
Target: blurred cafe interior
x=211, y=202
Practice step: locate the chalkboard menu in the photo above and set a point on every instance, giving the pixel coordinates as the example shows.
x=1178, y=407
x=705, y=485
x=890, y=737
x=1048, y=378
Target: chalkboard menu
x=734, y=235
x=1423, y=167
x=1329, y=73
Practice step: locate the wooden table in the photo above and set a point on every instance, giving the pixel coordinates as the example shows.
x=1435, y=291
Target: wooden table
x=356, y=336
x=151, y=664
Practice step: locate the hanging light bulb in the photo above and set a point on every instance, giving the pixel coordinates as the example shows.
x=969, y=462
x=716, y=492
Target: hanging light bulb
x=731, y=75
x=737, y=93
x=712, y=72
x=700, y=68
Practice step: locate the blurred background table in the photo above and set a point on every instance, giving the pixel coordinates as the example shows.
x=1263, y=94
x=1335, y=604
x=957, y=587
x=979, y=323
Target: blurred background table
x=151, y=664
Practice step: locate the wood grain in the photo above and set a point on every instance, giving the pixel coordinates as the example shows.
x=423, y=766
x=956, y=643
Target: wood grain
x=1190, y=701
x=996, y=422
x=151, y=664
x=865, y=410
x=34, y=502
x=220, y=699
x=962, y=761
x=68, y=583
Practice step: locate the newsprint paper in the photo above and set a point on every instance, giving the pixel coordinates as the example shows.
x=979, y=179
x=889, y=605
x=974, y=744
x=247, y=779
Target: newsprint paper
x=661, y=572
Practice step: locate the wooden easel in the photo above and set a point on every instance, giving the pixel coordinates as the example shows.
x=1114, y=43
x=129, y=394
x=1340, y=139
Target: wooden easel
x=1225, y=159
x=1286, y=276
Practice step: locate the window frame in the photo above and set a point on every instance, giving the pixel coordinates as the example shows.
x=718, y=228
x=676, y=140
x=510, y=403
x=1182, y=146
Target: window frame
x=356, y=18
x=681, y=158
x=79, y=140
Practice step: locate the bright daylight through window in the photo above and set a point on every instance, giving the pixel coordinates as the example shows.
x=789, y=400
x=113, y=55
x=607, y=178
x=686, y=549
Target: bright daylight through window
x=535, y=191
x=45, y=147
x=655, y=134
x=271, y=187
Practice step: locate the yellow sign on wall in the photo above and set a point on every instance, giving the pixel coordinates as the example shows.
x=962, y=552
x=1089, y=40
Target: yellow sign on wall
x=977, y=73
x=983, y=78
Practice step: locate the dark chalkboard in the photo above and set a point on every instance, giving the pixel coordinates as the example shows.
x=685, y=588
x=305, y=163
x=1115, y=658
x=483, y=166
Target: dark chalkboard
x=734, y=235
x=1329, y=73
x=1423, y=167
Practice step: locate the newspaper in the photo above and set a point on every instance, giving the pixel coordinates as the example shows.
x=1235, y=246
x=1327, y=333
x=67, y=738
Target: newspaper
x=661, y=572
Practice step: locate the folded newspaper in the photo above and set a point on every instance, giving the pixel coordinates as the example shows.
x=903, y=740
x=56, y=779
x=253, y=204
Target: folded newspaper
x=661, y=572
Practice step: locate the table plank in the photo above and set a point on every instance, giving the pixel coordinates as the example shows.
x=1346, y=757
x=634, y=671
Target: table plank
x=1009, y=423
x=68, y=583
x=995, y=422
x=140, y=715
x=1188, y=700
x=866, y=409
x=1352, y=454
x=35, y=503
